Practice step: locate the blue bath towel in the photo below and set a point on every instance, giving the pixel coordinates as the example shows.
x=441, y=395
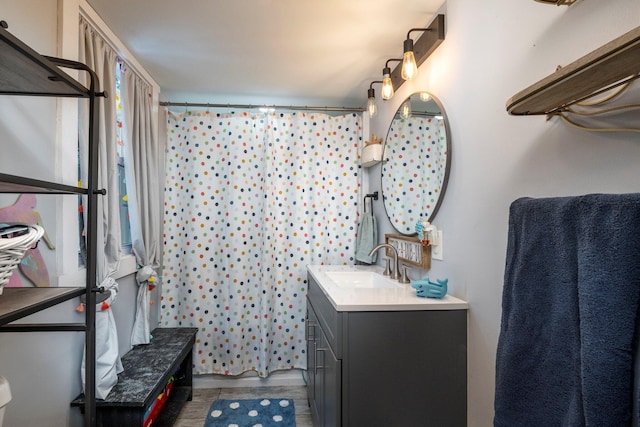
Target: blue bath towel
x=569, y=312
x=367, y=239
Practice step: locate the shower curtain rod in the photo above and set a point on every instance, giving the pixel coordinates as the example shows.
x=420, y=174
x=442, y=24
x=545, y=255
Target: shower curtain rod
x=251, y=106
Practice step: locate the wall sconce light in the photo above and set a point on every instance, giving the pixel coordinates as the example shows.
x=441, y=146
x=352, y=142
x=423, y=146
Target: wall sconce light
x=372, y=108
x=387, y=85
x=409, y=65
x=420, y=50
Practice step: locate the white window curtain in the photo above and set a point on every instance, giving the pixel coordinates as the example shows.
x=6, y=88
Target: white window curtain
x=142, y=169
x=97, y=55
x=250, y=201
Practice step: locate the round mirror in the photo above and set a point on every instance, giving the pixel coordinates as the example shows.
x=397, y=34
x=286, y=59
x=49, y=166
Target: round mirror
x=416, y=162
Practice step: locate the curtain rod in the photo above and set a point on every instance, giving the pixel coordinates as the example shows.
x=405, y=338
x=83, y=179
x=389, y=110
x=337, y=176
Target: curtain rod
x=251, y=106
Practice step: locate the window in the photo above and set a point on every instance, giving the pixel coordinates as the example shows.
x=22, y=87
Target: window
x=125, y=225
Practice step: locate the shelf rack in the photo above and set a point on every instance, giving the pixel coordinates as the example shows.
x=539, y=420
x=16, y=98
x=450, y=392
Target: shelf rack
x=25, y=72
x=609, y=66
x=18, y=184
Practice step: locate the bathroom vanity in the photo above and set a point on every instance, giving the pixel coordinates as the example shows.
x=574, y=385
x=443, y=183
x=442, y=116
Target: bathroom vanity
x=378, y=355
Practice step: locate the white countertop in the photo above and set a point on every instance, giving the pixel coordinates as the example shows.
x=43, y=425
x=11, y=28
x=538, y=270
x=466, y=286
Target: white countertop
x=403, y=298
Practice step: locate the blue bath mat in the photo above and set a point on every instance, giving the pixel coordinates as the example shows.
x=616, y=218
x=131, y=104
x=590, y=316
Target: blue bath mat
x=251, y=413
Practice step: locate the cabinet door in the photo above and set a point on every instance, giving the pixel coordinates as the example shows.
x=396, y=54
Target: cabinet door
x=324, y=372
x=312, y=332
x=331, y=373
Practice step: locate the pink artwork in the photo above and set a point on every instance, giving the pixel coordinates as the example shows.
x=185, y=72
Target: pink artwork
x=32, y=265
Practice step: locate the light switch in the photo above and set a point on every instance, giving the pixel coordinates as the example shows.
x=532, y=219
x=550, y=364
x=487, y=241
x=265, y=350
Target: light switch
x=437, y=251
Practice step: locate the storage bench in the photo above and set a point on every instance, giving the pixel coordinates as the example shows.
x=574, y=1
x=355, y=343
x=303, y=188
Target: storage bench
x=147, y=371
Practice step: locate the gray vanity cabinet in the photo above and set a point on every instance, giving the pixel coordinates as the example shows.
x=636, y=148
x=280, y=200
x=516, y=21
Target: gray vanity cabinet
x=325, y=371
x=385, y=368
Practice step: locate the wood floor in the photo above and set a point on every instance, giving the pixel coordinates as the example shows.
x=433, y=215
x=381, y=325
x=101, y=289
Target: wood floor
x=194, y=413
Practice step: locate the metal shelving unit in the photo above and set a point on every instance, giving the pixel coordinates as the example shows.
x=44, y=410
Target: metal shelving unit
x=25, y=72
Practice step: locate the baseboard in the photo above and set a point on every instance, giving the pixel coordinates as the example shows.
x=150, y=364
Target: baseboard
x=289, y=378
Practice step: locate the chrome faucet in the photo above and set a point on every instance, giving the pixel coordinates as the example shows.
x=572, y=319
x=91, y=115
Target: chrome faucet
x=395, y=271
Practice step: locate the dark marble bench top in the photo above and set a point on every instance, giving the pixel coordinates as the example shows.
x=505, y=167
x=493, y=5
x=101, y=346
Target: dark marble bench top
x=147, y=368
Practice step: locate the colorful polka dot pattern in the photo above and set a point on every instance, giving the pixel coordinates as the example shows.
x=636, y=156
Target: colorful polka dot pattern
x=414, y=170
x=250, y=201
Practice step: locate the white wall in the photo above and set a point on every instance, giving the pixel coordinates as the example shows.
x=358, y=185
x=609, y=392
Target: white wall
x=492, y=50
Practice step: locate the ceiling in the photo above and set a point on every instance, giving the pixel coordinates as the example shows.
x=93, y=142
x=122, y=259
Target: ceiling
x=282, y=52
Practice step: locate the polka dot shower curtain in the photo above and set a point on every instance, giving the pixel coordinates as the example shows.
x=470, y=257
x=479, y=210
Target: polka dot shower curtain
x=250, y=200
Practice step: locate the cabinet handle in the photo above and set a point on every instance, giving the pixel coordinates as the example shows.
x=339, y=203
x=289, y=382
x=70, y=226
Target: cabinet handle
x=315, y=357
x=315, y=364
x=309, y=336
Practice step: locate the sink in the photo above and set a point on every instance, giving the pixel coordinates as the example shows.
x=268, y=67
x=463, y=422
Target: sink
x=365, y=288
x=361, y=280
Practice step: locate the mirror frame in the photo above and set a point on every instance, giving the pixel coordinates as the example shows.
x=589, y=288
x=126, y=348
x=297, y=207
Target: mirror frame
x=447, y=170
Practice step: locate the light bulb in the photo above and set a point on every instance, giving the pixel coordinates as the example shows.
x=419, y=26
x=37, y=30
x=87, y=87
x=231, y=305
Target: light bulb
x=425, y=97
x=405, y=109
x=409, y=66
x=372, y=107
x=387, y=86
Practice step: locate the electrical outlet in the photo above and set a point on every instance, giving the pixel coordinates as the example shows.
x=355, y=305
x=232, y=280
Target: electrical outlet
x=437, y=251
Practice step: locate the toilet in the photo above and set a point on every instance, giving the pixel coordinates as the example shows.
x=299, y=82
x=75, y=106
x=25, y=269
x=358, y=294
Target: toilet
x=5, y=396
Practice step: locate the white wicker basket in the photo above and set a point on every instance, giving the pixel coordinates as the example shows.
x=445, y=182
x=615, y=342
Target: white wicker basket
x=12, y=250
